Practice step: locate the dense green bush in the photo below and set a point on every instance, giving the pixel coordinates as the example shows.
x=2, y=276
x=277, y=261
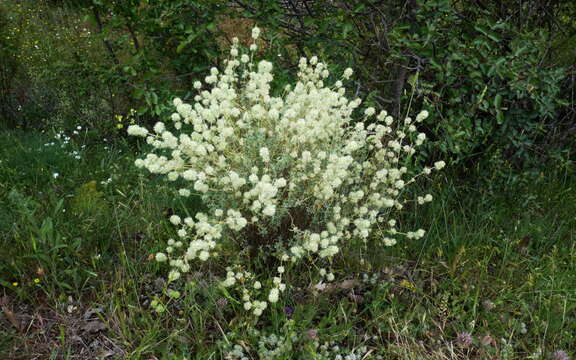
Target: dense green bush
x=489, y=83
x=92, y=63
x=8, y=67
x=488, y=73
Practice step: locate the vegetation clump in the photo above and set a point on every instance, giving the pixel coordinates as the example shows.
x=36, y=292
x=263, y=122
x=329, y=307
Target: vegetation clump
x=294, y=175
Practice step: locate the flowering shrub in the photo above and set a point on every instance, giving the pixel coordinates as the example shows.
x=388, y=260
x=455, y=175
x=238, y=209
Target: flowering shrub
x=294, y=176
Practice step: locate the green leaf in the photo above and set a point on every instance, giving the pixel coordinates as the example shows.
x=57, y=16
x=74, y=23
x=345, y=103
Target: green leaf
x=211, y=27
x=413, y=80
x=487, y=33
x=499, y=117
x=346, y=30
x=497, y=102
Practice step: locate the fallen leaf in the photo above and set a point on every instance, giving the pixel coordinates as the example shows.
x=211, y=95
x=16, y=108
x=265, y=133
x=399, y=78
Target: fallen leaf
x=93, y=312
x=348, y=284
x=105, y=354
x=356, y=298
x=320, y=286
x=94, y=326
x=9, y=314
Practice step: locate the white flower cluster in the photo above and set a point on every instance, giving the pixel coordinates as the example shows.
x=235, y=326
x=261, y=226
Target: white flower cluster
x=246, y=281
x=236, y=353
x=275, y=347
x=260, y=160
x=64, y=142
x=331, y=350
x=269, y=347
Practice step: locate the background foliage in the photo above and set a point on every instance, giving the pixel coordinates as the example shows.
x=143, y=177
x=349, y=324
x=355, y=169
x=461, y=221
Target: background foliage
x=497, y=77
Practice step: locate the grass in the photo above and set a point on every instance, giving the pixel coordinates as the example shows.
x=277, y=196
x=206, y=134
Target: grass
x=78, y=280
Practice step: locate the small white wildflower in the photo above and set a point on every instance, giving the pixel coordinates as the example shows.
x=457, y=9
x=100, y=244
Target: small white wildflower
x=265, y=154
x=161, y=257
x=389, y=241
x=347, y=73
x=422, y=116
x=184, y=192
x=255, y=32
x=369, y=111
x=203, y=255
x=173, y=275
x=159, y=127
x=264, y=66
x=273, y=296
x=439, y=165
x=136, y=130
x=269, y=210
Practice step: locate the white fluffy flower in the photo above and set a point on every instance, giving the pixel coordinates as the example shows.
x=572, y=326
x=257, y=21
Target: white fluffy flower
x=265, y=154
x=136, y=130
x=439, y=165
x=203, y=255
x=184, y=192
x=422, y=116
x=269, y=210
x=347, y=73
x=273, y=296
x=159, y=127
x=255, y=32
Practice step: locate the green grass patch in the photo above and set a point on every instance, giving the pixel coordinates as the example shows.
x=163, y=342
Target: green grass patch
x=78, y=279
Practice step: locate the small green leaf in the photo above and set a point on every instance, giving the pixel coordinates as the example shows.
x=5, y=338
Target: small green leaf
x=497, y=102
x=499, y=117
x=211, y=27
x=346, y=30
